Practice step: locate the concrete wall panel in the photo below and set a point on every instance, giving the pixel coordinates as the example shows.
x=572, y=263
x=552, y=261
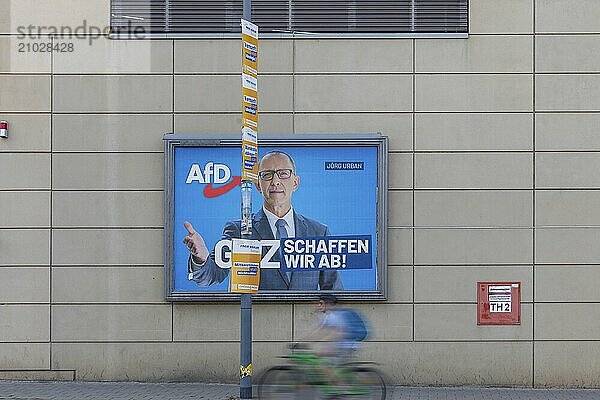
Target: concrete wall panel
x=18, y=55
x=22, y=13
x=473, y=132
x=558, y=16
x=473, y=171
x=221, y=123
x=475, y=92
x=400, y=246
x=400, y=171
x=220, y=56
x=24, y=209
x=113, y=93
x=388, y=322
x=24, y=247
x=476, y=54
x=209, y=56
x=565, y=322
x=471, y=208
x=454, y=363
x=20, y=356
x=96, y=171
x=221, y=322
x=397, y=127
x=567, y=170
x=473, y=246
x=380, y=55
x=567, y=208
x=451, y=284
x=567, y=283
x=507, y=16
x=400, y=284
x=400, y=209
x=458, y=322
x=567, y=92
x=25, y=323
x=107, y=246
x=222, y=93
x=99, y=55
x=170, y=362
x=567, y=246
x=114, y=323
x=108, y=284
x=27, y=171
x=353, y=93
x=229, y=123
x=567, y=364
x=564, y=131
x=108, y=209
x=24, y=285
x=573, y=53
x=110, y=132
x=30, y=93
x=27, y=132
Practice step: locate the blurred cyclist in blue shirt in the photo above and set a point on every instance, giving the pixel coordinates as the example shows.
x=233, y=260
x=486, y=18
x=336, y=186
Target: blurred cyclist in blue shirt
x=334, y=330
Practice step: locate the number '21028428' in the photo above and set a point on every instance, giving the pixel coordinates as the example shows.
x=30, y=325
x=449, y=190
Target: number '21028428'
x=46, y=47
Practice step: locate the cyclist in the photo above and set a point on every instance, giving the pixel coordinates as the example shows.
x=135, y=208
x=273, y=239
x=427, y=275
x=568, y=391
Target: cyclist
x=326, y=370
x=334, y=330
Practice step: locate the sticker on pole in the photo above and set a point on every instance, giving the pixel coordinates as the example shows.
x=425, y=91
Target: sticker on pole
x=245, y=266
x=245, y=371
x=249, y=101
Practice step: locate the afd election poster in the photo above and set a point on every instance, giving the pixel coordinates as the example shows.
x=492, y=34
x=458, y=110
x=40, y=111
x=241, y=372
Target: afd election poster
x=318, y=215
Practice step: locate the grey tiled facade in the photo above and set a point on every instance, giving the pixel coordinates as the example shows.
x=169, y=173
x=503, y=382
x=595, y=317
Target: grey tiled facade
x=492, y=176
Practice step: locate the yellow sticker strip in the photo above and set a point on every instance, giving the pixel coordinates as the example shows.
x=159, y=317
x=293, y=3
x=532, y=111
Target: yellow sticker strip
x=245, y=371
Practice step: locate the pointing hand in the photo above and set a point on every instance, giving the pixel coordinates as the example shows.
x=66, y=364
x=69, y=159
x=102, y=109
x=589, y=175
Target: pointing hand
x=195, y=244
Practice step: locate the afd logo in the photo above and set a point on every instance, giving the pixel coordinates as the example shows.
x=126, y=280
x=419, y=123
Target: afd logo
x=213, y=173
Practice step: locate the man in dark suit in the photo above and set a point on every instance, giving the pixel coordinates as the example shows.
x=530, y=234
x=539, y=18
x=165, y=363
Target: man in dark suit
x=277, y=219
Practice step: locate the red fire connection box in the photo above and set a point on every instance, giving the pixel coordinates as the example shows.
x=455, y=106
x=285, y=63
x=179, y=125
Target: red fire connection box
x=498, y=303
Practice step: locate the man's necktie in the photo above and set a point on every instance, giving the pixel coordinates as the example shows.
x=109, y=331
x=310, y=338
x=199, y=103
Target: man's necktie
x=282, y=234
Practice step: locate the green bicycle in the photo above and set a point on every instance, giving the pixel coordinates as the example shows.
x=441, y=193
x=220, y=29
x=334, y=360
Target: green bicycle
x=305, y=379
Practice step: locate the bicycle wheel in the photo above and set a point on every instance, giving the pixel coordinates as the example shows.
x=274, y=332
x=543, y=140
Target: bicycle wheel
x=367, y=384
x=285, y=383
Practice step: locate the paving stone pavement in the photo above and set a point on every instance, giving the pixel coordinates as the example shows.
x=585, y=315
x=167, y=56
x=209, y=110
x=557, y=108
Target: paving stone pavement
x=20, y=390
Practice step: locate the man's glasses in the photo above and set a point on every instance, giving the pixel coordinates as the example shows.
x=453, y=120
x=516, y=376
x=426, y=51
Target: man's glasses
x=268, y=174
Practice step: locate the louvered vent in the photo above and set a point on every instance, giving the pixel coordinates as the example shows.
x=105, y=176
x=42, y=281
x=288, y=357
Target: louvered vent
x=335, y=16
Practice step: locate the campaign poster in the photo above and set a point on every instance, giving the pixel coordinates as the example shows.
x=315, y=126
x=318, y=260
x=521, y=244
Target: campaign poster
x=334, y=192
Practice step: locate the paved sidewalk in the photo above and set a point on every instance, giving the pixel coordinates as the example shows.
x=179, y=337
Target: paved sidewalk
x=18, y=390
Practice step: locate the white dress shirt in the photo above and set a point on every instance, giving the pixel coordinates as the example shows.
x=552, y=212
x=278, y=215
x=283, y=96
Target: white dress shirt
x=290, y=227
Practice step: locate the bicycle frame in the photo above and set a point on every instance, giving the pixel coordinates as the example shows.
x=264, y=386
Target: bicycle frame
x=311, y=364
x=308, y=375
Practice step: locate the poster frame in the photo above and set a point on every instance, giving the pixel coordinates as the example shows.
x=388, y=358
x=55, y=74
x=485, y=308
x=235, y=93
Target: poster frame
x=173, y=141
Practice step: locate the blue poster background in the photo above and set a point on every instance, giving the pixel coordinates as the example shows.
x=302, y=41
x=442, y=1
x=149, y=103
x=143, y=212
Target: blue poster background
x=343, y=199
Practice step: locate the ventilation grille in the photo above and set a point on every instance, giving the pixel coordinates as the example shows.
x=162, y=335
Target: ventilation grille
x=335, y=16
